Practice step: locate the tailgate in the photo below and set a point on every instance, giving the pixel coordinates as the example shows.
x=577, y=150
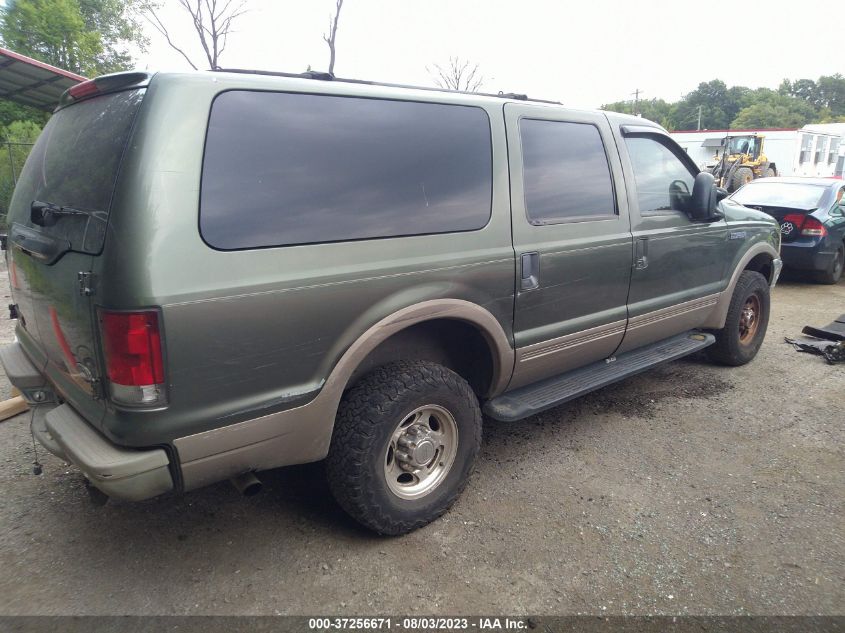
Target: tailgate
x=57, y=226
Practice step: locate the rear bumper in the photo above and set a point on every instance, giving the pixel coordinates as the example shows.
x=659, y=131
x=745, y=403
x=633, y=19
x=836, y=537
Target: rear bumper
x=807, y=256
x=122, y=473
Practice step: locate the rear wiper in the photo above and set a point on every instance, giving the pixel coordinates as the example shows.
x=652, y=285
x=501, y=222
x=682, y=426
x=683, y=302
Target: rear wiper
x=47, y=213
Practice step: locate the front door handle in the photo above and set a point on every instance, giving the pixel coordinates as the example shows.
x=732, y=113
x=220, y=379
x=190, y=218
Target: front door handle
x=530, y=276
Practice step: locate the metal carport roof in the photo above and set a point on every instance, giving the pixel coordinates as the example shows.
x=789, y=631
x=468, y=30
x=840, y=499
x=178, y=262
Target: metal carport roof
x=31, y=82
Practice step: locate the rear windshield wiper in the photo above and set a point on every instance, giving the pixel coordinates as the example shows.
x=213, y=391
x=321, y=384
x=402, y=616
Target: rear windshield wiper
x=47, y=213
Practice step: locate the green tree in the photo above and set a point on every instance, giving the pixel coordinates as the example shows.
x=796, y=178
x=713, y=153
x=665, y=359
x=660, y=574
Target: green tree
x=11, y=111
x=52, y=31
x=16, y=140
x=88, y=37
x=119, y=24
x=656, y=110
x=828, y=93
x=832, y=94
x=774, y=110
x=718, y=106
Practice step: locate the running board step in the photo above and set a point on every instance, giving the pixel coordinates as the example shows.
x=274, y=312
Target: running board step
x=531, y=399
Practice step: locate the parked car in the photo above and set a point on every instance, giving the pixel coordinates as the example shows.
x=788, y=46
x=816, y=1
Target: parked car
x=220, y=273
x=811, y=212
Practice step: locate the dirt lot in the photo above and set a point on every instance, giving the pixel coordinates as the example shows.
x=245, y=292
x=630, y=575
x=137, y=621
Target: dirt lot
x=690, y=489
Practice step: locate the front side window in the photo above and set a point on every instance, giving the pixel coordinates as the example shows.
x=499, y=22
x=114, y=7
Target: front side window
x=663, y=182
x=565, y=172
x=284, y=169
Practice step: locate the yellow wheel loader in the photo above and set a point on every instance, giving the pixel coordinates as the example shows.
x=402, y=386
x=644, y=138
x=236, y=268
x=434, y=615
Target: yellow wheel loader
x=742, y=161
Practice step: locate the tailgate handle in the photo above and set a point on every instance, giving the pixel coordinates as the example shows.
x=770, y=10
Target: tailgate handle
x=44, y=248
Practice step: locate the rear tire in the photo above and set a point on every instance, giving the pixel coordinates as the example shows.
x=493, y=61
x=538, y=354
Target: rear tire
x=745, y=326
x=404, y=444
x=834, y=272
x=770, y=173
x=741, y=176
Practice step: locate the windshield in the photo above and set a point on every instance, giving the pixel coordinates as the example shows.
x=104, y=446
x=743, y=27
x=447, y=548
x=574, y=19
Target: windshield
x=743, y=145
x=74, y=164
x=780, y=194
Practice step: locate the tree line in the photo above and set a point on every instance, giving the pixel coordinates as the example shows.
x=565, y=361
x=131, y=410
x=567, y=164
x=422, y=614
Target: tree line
x=793, y=105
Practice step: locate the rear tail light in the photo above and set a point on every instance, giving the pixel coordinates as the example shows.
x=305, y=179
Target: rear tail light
x=134, y=358
x=813, y=228
x=795, y=219
x=102, y=85
x=85, y=89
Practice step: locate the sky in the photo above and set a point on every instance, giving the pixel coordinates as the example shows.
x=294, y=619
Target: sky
x=582, y=53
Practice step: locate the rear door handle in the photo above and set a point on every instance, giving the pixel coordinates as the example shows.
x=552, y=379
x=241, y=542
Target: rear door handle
x=641, y=255
x=530, y=276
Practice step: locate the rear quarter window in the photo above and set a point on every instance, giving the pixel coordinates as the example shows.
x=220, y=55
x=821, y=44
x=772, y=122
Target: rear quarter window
x=284, y=169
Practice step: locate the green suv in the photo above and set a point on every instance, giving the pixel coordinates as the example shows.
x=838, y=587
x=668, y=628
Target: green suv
x=216, y=274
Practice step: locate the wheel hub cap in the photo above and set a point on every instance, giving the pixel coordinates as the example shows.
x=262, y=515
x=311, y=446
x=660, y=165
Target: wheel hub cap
x=416, y=447
x=421, y=451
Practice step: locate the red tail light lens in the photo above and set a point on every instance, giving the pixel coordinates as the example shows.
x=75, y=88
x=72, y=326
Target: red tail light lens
x=813, y=228
x=134, y=360
x=85, y=89
x=796, y=219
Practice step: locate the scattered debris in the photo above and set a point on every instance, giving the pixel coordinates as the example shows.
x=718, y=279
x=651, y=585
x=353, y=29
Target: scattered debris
x=832, y=332
x=827, y=341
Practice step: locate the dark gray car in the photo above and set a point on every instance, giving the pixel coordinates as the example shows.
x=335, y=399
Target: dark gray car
x=216, y=274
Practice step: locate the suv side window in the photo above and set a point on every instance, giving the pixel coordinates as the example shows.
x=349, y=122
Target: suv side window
x=565, y=172
x=664, y=183
x=287, y=168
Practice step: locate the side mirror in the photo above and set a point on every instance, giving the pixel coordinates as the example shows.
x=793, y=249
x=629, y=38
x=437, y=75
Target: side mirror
x=704, y=198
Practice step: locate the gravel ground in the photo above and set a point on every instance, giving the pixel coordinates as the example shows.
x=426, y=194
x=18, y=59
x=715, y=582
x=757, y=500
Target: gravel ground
x=691, y=489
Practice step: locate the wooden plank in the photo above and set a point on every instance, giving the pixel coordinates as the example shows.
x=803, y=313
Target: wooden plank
x=11, y=407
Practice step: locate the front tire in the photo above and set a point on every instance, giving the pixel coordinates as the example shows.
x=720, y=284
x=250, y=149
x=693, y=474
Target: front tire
x=404, y=444
x=834, y=272
x=742, y=176
x=745, y=326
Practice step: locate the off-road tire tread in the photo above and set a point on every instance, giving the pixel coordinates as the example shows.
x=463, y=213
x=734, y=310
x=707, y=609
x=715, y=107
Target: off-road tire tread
x=727, y=350
x=738, y=178
x=356, y=426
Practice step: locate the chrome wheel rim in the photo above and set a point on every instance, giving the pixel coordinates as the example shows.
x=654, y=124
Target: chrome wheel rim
x=421, y=452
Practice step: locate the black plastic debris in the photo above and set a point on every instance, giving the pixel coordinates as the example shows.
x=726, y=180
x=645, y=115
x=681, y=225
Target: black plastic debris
x=832, y=332
x=832, y=352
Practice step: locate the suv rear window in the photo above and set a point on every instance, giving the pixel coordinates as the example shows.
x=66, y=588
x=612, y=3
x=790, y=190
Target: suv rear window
x=283, y=169
x=74, y=164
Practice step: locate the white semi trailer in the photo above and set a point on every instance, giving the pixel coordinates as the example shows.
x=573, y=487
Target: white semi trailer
x=814, y=150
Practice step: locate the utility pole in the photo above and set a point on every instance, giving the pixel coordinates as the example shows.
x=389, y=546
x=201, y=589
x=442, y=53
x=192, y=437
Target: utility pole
x=636, y=94
x=699, y=118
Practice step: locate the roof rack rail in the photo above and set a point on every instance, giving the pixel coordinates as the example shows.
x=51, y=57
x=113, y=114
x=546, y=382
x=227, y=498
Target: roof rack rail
x=324, y=76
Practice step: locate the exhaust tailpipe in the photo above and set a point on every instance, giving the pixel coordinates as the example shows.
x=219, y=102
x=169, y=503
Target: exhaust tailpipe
x=247, y=484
